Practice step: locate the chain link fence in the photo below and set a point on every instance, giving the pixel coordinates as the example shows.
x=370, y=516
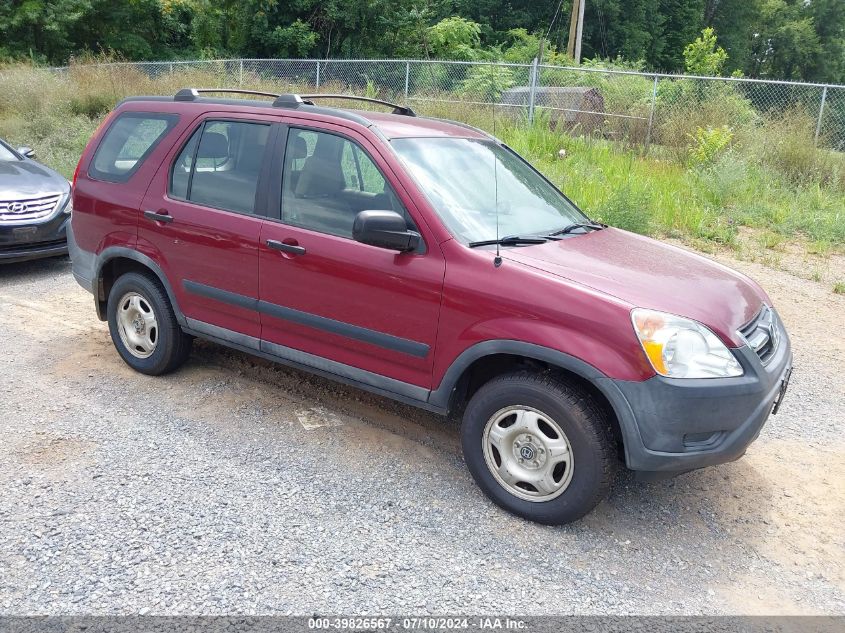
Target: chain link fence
x=632, y=107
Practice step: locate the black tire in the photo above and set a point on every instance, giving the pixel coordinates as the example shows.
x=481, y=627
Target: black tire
x=584, y=423
x=172, y=346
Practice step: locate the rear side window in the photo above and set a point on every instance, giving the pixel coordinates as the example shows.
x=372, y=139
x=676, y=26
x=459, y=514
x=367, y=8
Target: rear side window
x=127, y=143
x=220, y=165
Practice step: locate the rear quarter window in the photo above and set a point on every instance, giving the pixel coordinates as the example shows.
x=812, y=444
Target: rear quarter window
x=127, y=143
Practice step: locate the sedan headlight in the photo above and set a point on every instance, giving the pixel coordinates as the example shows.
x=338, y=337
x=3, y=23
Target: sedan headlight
x=682, y=348
x=67, y=203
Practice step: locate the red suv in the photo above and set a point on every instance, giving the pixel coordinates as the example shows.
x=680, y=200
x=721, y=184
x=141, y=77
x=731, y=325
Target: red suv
x=425, y=261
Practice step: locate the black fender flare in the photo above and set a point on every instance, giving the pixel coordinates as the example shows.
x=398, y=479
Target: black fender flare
x=441, y=396
x=114, y=252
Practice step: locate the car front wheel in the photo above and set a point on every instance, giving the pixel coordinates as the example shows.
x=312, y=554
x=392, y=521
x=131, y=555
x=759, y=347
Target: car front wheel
x=143, y=326
x=538, y=446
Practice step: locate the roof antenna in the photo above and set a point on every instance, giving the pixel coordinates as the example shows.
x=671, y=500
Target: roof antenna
x=497, y=260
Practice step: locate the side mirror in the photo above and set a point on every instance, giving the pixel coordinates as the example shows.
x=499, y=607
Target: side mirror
x=27, y=152
x=385, y=229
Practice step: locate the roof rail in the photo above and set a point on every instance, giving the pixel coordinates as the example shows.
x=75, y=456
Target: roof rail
x=192, y=94
x=293, y=101
x=289, y=100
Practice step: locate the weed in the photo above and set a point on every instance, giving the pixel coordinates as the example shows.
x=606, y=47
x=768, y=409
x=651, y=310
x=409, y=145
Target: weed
x=707, y=144
x=770, y=239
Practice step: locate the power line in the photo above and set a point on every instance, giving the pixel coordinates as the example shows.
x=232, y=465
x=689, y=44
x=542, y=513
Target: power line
x=554, y=18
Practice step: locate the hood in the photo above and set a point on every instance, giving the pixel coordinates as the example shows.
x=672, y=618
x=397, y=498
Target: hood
x=649, y=274
x=26, y=178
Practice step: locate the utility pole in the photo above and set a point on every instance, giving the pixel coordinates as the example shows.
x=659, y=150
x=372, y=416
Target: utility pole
x=573, y=29
x=576, y=31
x=581, y=4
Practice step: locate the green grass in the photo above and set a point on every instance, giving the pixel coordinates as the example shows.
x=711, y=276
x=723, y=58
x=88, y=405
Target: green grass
x=839, y=288
x=771, y=179
x=651, y=194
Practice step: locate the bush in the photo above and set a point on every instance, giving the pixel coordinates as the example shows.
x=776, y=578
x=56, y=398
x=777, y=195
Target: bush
x=708, y=144
x=685, y=105
x=487, y=82
x=786, y=143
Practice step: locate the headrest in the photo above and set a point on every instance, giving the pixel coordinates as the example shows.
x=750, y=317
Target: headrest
x=300, y=148
x=319, y=178
x=213, y=145
x=328, y=147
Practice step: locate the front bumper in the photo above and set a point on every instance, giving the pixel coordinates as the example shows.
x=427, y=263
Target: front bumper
x=48, y=238
x=684, y=424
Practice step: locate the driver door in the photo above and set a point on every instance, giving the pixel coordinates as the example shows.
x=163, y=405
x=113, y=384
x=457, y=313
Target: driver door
x=371, y=312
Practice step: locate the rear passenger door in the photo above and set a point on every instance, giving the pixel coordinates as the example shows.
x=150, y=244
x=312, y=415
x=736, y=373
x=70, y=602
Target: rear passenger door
x=201, y=220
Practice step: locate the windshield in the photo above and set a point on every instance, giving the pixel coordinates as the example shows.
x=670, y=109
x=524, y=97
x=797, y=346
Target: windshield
x=468, y=180
x=6, y=153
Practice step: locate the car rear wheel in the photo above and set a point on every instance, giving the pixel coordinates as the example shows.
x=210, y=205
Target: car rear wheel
x=538, y=446
x=143, y=326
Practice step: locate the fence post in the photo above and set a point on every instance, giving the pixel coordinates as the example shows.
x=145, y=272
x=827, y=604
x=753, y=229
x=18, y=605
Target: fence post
x=407, y=78
x=241, y=74
x=821, y=114
x=651, y=114
x=171, y=68
x=318, y=75
x=532, y=90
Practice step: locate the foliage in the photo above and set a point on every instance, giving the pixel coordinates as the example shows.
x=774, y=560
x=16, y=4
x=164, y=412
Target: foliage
x=704, y=56
x=707, y=144
x=296, y=40
x=773, y=180
x=789, y=39
x=454, y=38
x=487, y=82
x=652, y=195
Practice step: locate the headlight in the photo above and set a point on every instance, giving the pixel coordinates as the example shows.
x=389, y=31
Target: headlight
x=67, y=205
x=682, y=348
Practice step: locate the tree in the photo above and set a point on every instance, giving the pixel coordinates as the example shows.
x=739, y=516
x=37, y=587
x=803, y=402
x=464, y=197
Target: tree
x=704, y=56
x=454, y=38
x=683, y=20
x=786, y=44
x=735, y=22
x=829, y=22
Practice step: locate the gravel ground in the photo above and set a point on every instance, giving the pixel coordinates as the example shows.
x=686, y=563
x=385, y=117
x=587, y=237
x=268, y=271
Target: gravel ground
x=237, y=486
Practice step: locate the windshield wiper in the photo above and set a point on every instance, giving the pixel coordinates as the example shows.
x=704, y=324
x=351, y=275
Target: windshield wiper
x=577, y=225
x=510, y=240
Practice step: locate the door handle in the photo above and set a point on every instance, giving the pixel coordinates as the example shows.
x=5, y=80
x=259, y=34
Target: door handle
x=286, y=248
x=158, y=217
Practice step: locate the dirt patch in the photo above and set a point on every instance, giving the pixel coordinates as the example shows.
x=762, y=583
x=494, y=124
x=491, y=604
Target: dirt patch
x=55, y=457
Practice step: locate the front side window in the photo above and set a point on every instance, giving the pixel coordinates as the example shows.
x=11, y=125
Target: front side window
x=220, y=164
x=328, y=180
x=127, y=142
x=475, y=185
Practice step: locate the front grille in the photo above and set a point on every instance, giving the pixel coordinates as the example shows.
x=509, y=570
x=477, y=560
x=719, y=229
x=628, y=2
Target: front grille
x=763, y=333
x=35, y=246
x=25, y=209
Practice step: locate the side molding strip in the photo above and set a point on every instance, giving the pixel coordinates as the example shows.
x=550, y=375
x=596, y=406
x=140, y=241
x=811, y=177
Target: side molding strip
x=373, y=337
x=376, y=383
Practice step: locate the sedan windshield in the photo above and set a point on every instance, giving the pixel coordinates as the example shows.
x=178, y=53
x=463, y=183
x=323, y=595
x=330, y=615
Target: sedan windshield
x=7, y=154
x=476, y=184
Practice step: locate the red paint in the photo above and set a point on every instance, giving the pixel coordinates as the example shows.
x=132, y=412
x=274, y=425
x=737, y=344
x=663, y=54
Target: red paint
x=574, y=295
